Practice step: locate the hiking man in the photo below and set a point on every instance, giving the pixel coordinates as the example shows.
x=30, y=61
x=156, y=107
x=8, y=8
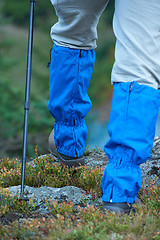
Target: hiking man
x=136, y=95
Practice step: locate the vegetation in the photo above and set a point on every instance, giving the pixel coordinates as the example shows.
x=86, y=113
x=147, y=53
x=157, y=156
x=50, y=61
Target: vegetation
x=48, y=173
x=14, y=17
x=20, y=220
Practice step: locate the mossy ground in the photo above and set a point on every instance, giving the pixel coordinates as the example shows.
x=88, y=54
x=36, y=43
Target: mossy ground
x=19, y=220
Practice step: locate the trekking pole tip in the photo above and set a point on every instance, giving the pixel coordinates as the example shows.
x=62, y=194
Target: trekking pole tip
x=22, y=198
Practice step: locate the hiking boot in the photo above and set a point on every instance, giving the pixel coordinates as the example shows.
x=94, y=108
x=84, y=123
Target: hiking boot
x=63, y=159
x=118, y=208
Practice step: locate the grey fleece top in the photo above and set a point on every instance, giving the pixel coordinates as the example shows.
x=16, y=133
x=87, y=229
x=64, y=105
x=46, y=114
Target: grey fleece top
x=77, y=22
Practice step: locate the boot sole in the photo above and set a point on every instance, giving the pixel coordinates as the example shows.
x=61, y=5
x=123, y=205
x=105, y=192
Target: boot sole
x=69, y=162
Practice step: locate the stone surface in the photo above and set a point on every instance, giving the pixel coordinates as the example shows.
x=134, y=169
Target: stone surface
x=150, y=169
x=65, y=194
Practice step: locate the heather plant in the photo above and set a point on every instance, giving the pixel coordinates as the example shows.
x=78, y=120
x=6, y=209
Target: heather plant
x=65, y=208
x=84, y=223
x=90, y=179
x=9, y=172
x=64, y=219
x=8, y=203
x=151, y=195
x=45, y=171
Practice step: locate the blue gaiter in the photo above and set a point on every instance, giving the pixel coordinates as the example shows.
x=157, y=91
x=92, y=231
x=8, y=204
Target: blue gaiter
x=131, y=128
x=70, y=74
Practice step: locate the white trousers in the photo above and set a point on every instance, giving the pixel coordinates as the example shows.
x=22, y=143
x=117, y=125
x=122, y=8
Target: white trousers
x=136, y=25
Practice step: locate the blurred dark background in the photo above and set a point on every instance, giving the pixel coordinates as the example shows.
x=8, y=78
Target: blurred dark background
x=14, y=19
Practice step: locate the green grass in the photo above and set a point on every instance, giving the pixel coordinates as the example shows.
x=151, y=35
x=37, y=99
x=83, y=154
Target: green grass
x=64, y=220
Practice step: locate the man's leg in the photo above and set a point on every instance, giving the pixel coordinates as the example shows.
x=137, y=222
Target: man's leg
x=132, y=128
x=135, y=106
x=70, y=74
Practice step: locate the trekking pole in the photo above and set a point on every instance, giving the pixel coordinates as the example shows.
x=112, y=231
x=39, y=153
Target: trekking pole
x=27, y=94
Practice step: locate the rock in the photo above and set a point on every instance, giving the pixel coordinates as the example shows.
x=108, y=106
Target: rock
x=65, y=194
x=97, y=159
x=151, y=168
x=156, y=149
